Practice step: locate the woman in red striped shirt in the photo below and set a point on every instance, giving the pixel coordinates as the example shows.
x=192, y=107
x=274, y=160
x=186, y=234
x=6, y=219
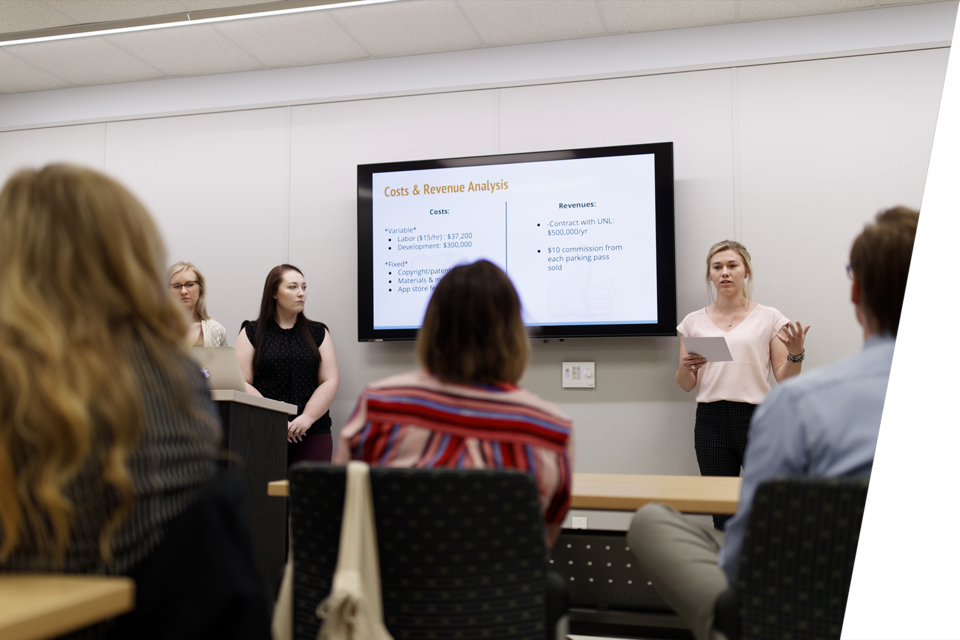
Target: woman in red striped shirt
x=464, y=409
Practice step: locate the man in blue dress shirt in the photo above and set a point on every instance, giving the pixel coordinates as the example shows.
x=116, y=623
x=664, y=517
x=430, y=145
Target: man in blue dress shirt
x=823, y=423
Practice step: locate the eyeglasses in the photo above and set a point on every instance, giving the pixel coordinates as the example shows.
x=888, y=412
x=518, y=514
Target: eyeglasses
x=189, y=285
x=849, y=272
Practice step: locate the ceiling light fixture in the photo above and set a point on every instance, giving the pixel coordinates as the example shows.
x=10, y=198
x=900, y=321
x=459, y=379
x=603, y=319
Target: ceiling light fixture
x=179, y=20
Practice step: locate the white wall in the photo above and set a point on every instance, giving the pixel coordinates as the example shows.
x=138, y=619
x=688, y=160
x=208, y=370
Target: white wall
x=789, y=157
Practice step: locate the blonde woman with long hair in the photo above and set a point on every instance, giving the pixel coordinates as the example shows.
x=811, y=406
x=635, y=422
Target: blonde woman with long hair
x=760, y=339
x=190, y=286
x=107, y=431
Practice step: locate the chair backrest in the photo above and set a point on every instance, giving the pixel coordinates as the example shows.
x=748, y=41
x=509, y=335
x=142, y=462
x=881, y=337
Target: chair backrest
x=797, y=558
x=201, y=581
x=461, y=552
x=602, y=574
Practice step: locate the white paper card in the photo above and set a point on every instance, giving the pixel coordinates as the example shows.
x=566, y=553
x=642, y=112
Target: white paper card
x=714, y=349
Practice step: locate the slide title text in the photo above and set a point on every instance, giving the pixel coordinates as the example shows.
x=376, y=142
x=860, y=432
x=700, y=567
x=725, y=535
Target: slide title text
x=428, y=189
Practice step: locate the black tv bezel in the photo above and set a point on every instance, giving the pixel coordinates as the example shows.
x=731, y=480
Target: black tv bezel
x=666, y=247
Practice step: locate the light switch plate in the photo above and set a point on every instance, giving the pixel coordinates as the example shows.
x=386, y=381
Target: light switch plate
x=579, y=374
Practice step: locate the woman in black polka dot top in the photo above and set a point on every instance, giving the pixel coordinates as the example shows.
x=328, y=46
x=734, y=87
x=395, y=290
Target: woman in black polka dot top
x=284, y=356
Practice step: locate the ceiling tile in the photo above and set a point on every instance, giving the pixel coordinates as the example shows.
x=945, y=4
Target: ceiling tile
x=406, y=28
x=633, y=16
x=506, y=22
x=293, y=40
x=90, y=11
x=186, y=51
x=29, y=15
x=84, y=61
x=346, y=33
x=206, y=5
x=17, y=76
x=771, y=9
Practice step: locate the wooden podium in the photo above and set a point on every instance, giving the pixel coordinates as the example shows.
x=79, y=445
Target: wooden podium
x=255, y=444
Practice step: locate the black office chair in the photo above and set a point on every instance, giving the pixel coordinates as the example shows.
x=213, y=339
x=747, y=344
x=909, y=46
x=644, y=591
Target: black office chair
x=797, y=560
x=201, y=581
x=609, y=594
x=461, y=552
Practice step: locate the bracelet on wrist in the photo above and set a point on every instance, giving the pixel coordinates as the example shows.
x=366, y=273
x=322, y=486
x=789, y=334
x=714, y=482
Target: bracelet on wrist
x=798, y=358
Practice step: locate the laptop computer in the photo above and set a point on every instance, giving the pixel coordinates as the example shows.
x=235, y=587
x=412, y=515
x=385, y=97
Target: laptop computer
x=221, y=367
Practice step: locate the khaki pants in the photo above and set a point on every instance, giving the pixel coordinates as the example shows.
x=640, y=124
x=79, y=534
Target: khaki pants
x=680, y=556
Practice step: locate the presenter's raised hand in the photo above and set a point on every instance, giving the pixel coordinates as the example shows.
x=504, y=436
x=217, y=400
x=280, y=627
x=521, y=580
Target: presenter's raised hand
x=793, y=337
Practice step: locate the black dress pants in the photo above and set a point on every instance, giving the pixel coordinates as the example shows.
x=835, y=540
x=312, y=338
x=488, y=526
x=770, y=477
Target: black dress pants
x=720, y=439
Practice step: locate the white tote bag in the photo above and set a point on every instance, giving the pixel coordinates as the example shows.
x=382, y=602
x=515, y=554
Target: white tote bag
x=354, y=608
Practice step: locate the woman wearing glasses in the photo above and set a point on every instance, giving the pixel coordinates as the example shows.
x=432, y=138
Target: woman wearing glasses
x=187, y=282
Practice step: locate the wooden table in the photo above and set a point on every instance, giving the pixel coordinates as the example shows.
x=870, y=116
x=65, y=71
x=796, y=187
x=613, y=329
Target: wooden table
x=278, y=488
x=34, y=606
x=614, y=492
x=688, y=494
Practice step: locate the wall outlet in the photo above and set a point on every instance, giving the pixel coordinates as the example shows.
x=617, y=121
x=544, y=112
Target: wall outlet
x=579, y=523
x=578, y=374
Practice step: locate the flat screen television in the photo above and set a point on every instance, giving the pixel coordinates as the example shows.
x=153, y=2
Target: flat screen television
x=586, y=236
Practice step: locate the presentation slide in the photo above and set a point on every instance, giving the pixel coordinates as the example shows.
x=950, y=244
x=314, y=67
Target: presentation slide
x=577, y=237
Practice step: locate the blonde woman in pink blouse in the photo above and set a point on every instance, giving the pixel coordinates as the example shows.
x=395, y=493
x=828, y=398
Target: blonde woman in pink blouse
x=760, y=338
